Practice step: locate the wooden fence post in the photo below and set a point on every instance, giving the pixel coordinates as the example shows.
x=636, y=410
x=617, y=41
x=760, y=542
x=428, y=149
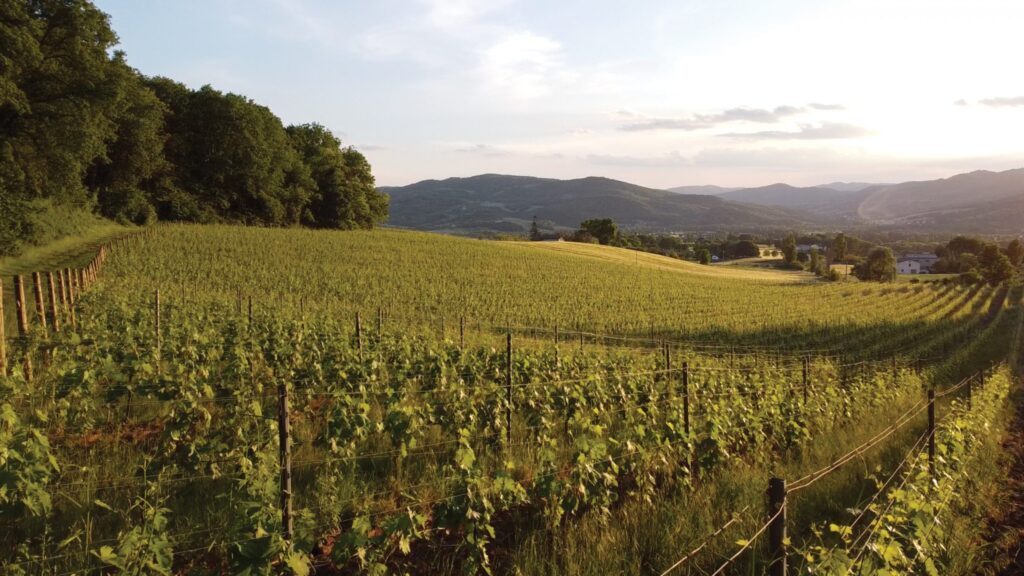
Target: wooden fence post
x=462, y=332
x=508, y=384
x=970, y=392
x=3, y=334
x=54, y=315
x=931, y=431
x=777, y=526
x=380, y=323
x=284, y=437
x=22, y=313
x=250, y=313
x=37, y=293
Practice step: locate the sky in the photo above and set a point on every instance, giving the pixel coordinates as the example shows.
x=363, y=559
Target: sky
x=659, y=93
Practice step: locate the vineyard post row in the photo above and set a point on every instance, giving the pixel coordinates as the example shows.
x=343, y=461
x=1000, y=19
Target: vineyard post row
x=778, y=494
x=55, y=300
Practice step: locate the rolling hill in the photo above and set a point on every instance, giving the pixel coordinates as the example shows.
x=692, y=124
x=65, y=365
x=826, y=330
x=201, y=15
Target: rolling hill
x=818, y=199
x=937, y=200
x=500, y=203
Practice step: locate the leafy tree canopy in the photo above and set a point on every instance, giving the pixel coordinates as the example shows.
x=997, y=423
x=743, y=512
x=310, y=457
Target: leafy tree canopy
x=79, y=126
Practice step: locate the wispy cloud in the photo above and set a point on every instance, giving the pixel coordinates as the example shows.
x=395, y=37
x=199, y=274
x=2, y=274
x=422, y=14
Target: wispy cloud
x=483, y=149
x=703, y=121
x=1003, y=102
x=824, y=131
x=826, y=107
x=673, y=158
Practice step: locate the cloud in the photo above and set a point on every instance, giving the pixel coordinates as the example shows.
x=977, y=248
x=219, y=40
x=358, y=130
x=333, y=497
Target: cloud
x=673, y=158
x=702, y=121
x=825, y=107
x=452, y=14
x=483, y=150
x=523, y=65
x=824, y=131
x=1003, y=102
x=961, y=102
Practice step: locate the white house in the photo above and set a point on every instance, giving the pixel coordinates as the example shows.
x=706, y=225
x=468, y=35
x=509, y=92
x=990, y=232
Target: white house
x=908, y=267
x=924, y=259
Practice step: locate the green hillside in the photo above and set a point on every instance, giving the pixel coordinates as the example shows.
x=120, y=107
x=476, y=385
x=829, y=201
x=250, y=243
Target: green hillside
x=499, y=203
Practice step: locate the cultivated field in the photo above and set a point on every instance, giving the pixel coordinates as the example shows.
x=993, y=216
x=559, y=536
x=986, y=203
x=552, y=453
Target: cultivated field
x=241, y=400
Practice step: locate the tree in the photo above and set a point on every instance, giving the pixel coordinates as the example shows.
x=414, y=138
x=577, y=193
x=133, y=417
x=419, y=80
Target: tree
x=879, y=266
x=704, y=256
x=839, y=248
x=1015, y=252
x=126, y=178
x=744, y=249
x=57, y=95
x=995, y=266
x=604, y=229
x=534, y=230
x=815, y=263
x=789, y=249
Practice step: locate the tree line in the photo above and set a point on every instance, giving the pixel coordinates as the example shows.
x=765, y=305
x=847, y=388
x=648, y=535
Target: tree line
x=80, y=127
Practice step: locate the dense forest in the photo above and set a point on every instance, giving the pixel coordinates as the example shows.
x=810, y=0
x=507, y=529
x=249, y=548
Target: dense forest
x=80, y=127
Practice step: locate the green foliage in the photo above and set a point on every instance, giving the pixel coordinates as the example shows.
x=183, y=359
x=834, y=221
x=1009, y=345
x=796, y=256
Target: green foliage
x=908, y=528
x=1015, y=252
x=839, y=248
x=789, y=249
x=880, y=266
x=80, y=128
x=603, y=229
x=535, y=234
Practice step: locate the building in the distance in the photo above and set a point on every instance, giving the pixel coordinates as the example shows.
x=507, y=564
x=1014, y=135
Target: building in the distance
x=916, y=263
x=908, y=267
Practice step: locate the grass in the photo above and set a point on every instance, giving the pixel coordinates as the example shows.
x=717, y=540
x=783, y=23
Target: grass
x=67, y=237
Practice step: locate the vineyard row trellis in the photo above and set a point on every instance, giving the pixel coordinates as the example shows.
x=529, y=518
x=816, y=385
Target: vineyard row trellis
x=778, y=492
x=89, y=275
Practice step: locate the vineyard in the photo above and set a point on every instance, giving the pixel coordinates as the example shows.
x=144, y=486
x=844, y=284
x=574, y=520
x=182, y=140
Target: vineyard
x=206, y=400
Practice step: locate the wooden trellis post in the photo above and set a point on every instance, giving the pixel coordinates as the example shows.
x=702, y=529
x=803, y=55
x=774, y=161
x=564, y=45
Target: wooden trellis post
x=22, y=313
x=3, y=334
x=285, y=447
x=359, y=336
x=686, y=398
x=508, y=384
x=54, y=315
x=156, y=315
x=62, y=293
x=931, y=432
x=37, y=293
x=777, y=526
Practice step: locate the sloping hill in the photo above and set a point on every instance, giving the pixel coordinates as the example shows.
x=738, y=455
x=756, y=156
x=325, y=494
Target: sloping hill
x=935, y=200
x=499, y=203
x=705, y=189
x=816, y=199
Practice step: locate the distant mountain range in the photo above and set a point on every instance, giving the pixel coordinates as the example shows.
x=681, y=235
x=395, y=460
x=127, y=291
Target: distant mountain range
x=977, y=202
x=499, y=203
